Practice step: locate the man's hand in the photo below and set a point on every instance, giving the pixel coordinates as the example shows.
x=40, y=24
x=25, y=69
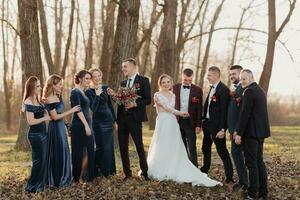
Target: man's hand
x=129, y=105
x=220, y=134
x=198, y=130
x=238, y=139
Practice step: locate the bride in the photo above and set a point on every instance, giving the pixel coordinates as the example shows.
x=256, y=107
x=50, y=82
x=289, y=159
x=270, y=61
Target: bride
x=167, y=157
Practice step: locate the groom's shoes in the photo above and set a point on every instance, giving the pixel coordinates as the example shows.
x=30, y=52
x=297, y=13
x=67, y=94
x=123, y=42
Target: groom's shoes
x=145, y=175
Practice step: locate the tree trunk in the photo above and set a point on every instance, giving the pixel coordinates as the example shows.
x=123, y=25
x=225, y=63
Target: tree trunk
x=108, y=40
x=125, y=38
x=272, y=37
x=89, y=47
x=165, y=54
x=31, y=57
x=7, y=91
x=68, y=44
x=206, y=55
x=45, y=40
x=58, y=12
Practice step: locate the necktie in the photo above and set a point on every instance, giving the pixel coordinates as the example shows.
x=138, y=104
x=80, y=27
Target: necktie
x=128, y=82
x=186, y=87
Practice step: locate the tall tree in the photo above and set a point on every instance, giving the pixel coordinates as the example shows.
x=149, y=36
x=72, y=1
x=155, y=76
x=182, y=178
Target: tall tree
x=125, y=37
x=272, y=37
x=58, y=20
x=45, y=40
x=68, y=44
x=6, y=83
x=207, y=49
x=31, y=57
x=108, y=40
x=89, y=47
x=165, y=54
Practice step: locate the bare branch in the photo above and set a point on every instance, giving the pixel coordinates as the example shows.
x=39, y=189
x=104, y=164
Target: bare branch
x=10, y=25
x=287, y=19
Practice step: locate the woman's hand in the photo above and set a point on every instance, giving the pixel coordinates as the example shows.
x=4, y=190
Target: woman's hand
x=88, y=130
x=47, y=117
x=98, y=90
x=184, y=114
x=75, y=109
x=110, y=92
x=115, y=126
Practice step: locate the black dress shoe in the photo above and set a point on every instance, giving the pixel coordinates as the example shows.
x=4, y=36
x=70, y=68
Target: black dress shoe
x=145, y=175
x=263, y=197
x=203, y=171
x=126, y=178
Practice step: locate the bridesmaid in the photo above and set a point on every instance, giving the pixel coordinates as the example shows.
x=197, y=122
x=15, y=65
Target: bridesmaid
x=59, y=161
x=103, y=121
x=82, y=139
x=37, y=134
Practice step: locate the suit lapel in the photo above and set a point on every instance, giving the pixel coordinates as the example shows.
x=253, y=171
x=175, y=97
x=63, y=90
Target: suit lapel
x=191, y=94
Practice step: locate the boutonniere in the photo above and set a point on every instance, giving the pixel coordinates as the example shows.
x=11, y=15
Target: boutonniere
x=136, y=85
x=195, y=100
x=238, y=101
x=214, y=98
x=232, y=93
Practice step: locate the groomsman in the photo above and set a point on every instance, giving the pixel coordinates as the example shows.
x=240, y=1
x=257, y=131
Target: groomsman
x=253, y=128
x=215, y=124
x=189, y=99
x=232, y=119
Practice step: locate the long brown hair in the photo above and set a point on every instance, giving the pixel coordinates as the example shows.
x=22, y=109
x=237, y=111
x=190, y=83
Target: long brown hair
x=30, y=86
x=50, y=82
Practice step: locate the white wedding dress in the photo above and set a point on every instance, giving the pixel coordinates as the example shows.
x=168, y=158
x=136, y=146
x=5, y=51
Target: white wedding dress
x=167, y=157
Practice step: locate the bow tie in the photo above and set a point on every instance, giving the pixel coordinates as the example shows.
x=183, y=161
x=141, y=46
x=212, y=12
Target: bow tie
x=186, y=87
x=236, y=85
x=212, y=86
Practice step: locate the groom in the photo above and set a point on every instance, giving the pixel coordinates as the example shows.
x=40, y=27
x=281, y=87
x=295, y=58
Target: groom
x=131, y=115
x=189, y=99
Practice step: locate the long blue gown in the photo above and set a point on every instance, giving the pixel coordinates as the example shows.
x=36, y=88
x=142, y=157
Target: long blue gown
x=103, y=120
x=79, y=140
x=59, y=172
x=38, y=138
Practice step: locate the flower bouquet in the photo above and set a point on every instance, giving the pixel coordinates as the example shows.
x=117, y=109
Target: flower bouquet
x=126, y=95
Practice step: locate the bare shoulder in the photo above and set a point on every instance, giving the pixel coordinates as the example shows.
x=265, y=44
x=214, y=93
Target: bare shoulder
x=28, y=102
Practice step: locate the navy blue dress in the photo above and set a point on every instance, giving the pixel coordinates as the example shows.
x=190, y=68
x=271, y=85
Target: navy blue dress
x=80, y=142
x=38, y=138
x=103, y=120
x=59, y=172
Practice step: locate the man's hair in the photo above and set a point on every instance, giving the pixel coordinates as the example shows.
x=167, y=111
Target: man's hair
x=188, y=72
x=233, y=67
x=131, y=60
x=215, y=69
x=249, y=72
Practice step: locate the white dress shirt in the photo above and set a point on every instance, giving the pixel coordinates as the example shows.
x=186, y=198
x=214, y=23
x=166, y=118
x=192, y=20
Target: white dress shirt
x=131, y=78
x=184, y=98
x=212, y=92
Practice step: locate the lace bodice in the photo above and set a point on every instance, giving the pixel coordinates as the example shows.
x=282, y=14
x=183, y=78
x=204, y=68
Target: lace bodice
x=164, y=104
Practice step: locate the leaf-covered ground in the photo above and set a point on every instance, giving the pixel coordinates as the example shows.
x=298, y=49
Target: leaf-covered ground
x=282, y=156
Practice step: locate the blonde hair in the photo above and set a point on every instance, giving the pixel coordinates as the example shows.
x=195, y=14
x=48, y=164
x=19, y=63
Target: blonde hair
x=50, y=82
x=161, y=78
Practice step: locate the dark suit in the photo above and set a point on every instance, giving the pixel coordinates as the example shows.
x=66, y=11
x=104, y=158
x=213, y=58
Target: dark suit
x=130, y=121
x=216, y=122
x=253, y=127
x=188, y=125
x=237, y=150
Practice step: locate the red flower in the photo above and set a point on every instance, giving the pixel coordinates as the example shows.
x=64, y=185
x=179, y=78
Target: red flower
x=238, y=101
x=195, y=100
x=214, y=98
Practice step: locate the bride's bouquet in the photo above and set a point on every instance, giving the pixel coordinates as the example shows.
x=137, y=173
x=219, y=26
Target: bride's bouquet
x=126, y=95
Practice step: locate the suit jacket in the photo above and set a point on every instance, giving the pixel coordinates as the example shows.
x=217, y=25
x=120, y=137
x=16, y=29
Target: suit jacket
x=218, y=108
x=254, y=121
x=195, y=103
x=138, y=112
x=234, y=108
